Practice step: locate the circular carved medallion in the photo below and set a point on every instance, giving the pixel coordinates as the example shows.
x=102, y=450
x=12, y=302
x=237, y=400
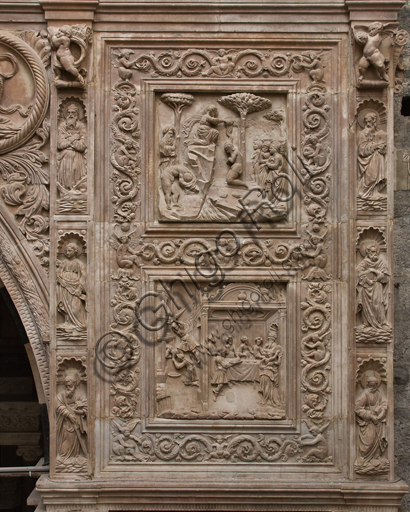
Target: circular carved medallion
x=24, y=92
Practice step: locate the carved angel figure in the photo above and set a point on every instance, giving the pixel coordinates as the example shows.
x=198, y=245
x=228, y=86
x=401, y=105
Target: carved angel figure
x=371, y=411
x=372, y=147
x=371, y=38
x=124, y=444
x=71, y=419
x=125, y=244
x=71, y=168
x=71, y=281
x=235, y=161
x=63, y=60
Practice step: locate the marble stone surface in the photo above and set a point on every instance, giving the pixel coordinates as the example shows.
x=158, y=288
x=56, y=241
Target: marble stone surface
x=196, y=230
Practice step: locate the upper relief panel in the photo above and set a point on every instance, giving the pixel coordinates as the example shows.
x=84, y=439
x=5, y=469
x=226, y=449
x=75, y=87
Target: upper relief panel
x=213, y=150
x=208, y=136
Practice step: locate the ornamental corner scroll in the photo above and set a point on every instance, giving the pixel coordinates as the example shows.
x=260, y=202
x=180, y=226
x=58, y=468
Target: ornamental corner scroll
x=198, y=133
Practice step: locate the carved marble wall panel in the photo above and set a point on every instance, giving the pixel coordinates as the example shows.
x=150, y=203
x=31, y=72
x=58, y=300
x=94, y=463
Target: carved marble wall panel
x=213, y=205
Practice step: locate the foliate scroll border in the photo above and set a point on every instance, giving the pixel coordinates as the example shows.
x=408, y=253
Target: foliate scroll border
x=125, y=128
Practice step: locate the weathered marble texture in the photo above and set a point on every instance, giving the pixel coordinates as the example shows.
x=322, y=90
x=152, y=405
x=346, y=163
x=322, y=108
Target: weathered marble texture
x=197, y=211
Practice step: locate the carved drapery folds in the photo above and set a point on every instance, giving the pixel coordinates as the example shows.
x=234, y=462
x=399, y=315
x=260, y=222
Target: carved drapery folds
x=377, y=49
x=371, y=413
x=374, y=60
x=72, y=288
x=71, y=416
x=72, y=146
x=209, y=147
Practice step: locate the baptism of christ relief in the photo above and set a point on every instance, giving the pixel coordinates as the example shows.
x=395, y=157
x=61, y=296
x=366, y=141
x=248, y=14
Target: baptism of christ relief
x=220, y=153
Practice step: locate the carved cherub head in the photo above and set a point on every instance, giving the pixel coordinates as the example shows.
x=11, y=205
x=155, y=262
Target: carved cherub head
x=375, y=28
x=258, y=341
x=228, y=147
x=244, y=340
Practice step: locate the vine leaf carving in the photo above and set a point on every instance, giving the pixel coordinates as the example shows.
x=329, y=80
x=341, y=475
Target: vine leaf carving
x=26, y=188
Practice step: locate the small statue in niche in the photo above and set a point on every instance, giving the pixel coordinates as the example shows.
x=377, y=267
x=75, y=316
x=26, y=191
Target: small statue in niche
x=64, y=61
x=126, y=245
x=71, y=423
x=372, y=294
x=71, y=166
x=235, y=161
x=371, y=38
x=72, y=290
x=371, y=412
x=372, y=147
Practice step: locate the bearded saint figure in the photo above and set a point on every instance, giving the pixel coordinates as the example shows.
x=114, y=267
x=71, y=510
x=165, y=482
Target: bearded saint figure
x=71, y=167
x=371, y=411
x=372, y=289
x=71, y=419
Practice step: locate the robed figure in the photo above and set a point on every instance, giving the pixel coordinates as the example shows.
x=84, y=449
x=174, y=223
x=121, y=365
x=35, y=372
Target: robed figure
x=71, y=280
x=71, y=419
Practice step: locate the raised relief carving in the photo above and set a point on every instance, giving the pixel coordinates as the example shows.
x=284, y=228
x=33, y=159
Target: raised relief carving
x=218, y=361
x=24, y=92
x=71, y=157
x=371, y=411
x=204, y=169
x=371, y=157
x=223, y=63
x=66, y=42
x=71, y=416
x=38, y=40
x=375, y=57
x=372, y=285
x=26, y=191
x=130, y=444
x=71, y=276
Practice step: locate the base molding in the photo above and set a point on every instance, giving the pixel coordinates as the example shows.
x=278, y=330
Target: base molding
x=126, y=495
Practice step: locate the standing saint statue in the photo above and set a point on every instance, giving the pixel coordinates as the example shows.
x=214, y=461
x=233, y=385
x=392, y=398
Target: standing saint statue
x=372, y=289
x=372, y=147
x=71, y=167
x=371, y=411
x=71, y=280
x=71, y=420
